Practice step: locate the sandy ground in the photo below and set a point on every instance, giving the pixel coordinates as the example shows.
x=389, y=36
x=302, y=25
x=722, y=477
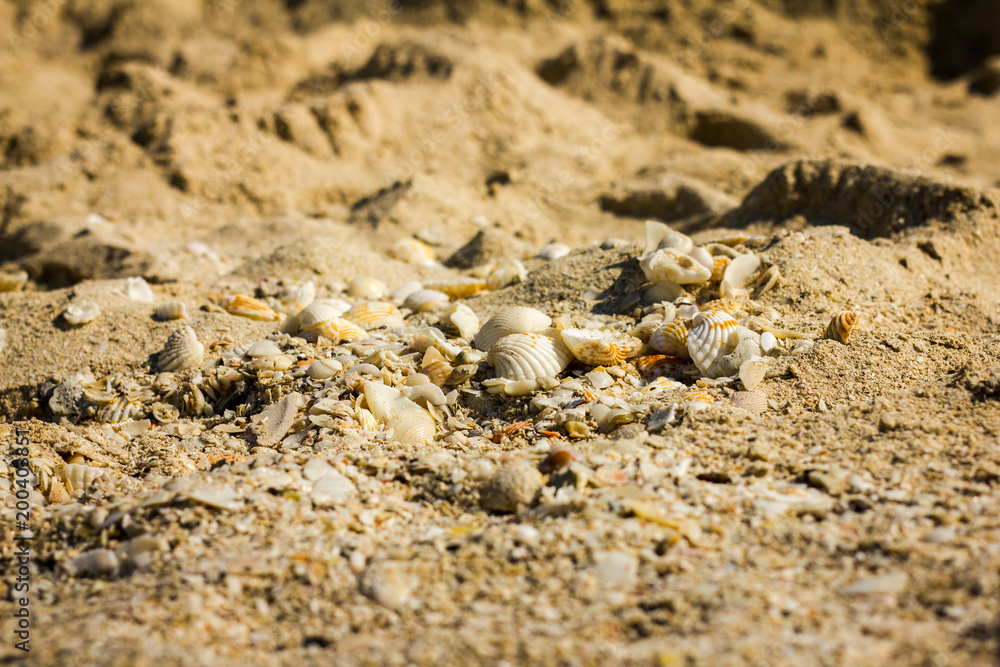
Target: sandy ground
x=219, y=148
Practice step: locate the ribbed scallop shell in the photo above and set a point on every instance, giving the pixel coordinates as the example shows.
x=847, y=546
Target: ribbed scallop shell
x=182, y=350
x=458, y=288
x=654, y=366
x=697, y=399
x=526, y=356
x=412, y=427
x=674, y=267
x=714, y=335
x=79, y=476
x=514, y=319
x=671, y=339
x=250, y=308
x=729, y=306
x=595, y=347
x=298, y=297
x=754, y=401
x=319, y=319
x=171, y=310
x=842, y=325
x=375, y=314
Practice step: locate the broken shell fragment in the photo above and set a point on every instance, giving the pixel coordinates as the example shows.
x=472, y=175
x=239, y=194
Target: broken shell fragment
x=250, y=308
x=12, y=282
x=600, y=348
x=171, y=310
x=138, y=289
x=673, y=266
x=660, y=237
x=182, y=350
x=79, y=313
x=767, y=280
x=463, y=319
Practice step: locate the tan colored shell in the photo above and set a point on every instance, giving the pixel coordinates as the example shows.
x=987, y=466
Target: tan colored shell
x=366, y=419
x=375, y=314
x=436, y=367
x=596, y=347
x=320, y=320
x=248, y=307
x=298, y=297
x=527, y=356
x=752, y=372
x=79, y=476
x=671, y=338
x=511, y=273
x=458, y=288
x=652, y=366
x=754, y=401
x=366, y=287
x=678, y=268
x=697, y=399
x=719, y=265
x=12, y=282
x=510, y=320
x=182, y=350
x=171, y=310
x=842, y=325
x=713, y=336
x=413, y=251
x=412, y=427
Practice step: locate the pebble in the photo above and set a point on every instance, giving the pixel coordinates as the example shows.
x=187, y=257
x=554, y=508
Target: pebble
x=616, y=570
x=94, y=563
x=217, y=497
x=389, y=584
x=513, y=485
x=332, y=489
x=891, y=583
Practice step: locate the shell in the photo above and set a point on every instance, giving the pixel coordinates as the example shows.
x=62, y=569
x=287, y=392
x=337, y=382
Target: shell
x=654, y=366
x=671, y=339
x=740, y=269
x=509, y=274
x=366, y=419
x=79, y=476
x=79, y=313
x=554, y=251
x=375, y=314
x=436, y=367
x=754, y=401
x=138, y=289
x=3, y=339
x=424, y=300
x=527, y=356
x=767, y=280
x=728, y=306
x=172, y=310
x=703, y=257
x=752, y=372
x=366, y=287
x=412, y=427
x=463, y=318
x=596, y=347
x=714, y=335
x=298, y=297
x=322, y=320
x=842, y=325
x=182, y=350
x=413, y=251
x=459, y=288
x=663, y=291
x=510, y=320
x=719, y=265
x=12, y=282
x=696, y=399
x=245, y=306
x=675, y=267
x=768, y=342
x=659, y=236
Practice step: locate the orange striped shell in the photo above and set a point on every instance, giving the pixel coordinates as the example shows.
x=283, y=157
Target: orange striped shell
x=600, y=347
x=458, y=288
x=842, y=325
x=245, y=306
x=671, y=339
x=654, y=366
x=375, y=314
x=719, y=264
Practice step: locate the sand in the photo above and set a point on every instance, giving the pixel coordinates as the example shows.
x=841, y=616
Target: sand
x=244, y=147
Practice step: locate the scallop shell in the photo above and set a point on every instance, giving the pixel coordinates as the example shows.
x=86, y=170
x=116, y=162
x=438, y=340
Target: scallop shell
x=596, y=347
x=697, y=399
x=245, y=306
x=767, y=280
x=412, y=427
x=510, y=320
x=714, y=335
x=842, y=325
x=729, y=306
x=459, y=288
x=509, y=274
x=754, y=401
x=527, y=356
x=79, y=313
x=413, y=251
x=752, y=372
x=675, y=267
x=171, y=310
x=659, y=236
x=366, y=287
x=298, y=297
x=375, y=314
x=12, y=282
x=182, y=350
x=654, y=366
x=719, y=265
x=671, y=339
x=321, y=320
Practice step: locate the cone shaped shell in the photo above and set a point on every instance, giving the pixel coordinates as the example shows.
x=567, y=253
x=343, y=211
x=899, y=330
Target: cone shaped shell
x=671, y=338
x=595, y=347
x=182, y=350
x=714, y=335
x=842, y=325
x=527, y=356
x=515, y=319
x=375, y=314
x=244, y=306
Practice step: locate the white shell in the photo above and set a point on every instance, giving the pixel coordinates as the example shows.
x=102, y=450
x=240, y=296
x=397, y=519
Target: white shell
x=413, y=427
x=462, y=318
x=703, y=257
x=596, y=347
x=263, y=348
x=138, y=289
x=554, y=251
x=321, y=320
x=752, y=372
x=425, y=299
x=510, y=320
x=527, y=356
x=740, y=269
x=676, y=267
x=79, y=313
x=713, y=336
x=768, y=342
x=754, y=401
x=298, y=297
x=414, y=252
x=366, y=287
x=663, y=291
x=375, y=314
x=321, y=369
x=172, y=310
x=182, y=350
x=424, y=394
x=3, y=339
x=659, y=236
x=79, y=476
x=510, y=273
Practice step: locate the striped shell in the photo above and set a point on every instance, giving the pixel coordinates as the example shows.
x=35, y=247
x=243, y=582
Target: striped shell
x=671, y=338
x=412, y=427
x=320, y=320
x=674, y=267
x=12, y=282
x=714, y=335
x=436, y=367
x=171, y=310
x=697, y=399
x=375, y=314
x=458, y=288
x=244, y=306
x=298, y=297
x=79, y=476
x=842, y=325
x=654, y=366
x=754, y=401
x=514, y=319
x=728, y=306
x=182, y=350
x=600, y=347
x=527, y=356
x=719, y=265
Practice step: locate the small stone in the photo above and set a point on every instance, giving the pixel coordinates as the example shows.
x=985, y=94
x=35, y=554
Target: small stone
x=217, y=497
x=577, y=429
x=827, y=483
x=891, y=583
x=93, y=563
x=316, y=468
x=390, y=584
x=716, y=477
x=513, y=485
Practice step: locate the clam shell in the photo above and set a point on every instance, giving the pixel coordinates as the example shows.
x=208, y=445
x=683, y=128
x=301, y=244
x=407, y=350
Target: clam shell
x=366, y=287
x=412, y=427
x=182, y=350
x=842, y=325
x=79, y=313
x=596, y=347
x=510, y=320
x=12, y=282
x=424, y=300
x=298, y=297
x=754, y=401
x=375, y=314
x=321, y=320
x=554, y=251
x=713, y=336
x=458, y=288
x=250, y=308
x=436, y=367
x=654, y=366
x=740, y=269
x=509, y=274
x=527, y=356
x=171, y=310
x=413, y=251
x=671, y=338
x=767, y=280
x=659, y=236
x=675, y=267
